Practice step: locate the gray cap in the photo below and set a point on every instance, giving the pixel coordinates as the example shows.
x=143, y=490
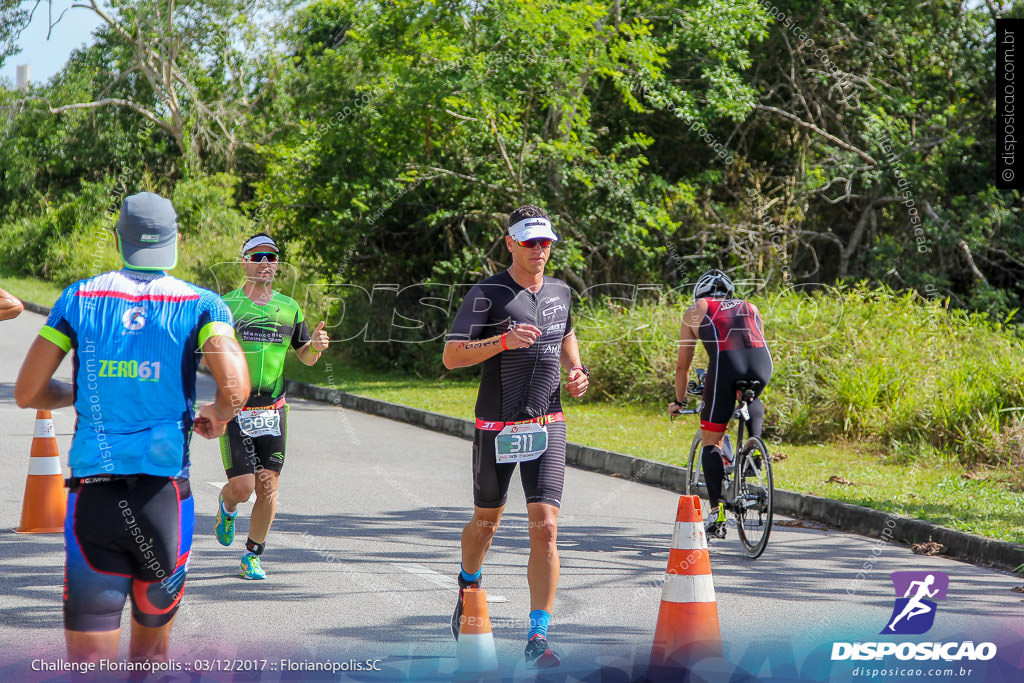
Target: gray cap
x=148, y=232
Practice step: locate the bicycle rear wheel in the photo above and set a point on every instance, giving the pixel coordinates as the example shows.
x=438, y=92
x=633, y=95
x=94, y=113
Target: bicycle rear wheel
x=754, y=497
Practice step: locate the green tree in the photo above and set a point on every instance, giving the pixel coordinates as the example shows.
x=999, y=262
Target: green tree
x=424, y=124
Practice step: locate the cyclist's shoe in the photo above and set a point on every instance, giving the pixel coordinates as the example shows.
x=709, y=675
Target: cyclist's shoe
x=539, y=655
x=716, y=527
x=251, y=568
x=225, y=528
x=457, y=615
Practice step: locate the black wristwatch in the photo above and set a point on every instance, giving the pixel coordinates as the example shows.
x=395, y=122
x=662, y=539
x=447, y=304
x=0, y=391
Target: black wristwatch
x=581, y=367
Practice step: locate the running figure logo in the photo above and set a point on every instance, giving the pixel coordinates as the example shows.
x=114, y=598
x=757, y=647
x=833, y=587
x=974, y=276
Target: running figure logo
x=914, y=612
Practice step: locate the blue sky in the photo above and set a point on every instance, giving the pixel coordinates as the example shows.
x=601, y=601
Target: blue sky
x=46, y=57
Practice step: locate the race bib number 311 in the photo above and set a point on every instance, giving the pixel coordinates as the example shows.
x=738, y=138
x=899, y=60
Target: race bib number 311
x=520, y=443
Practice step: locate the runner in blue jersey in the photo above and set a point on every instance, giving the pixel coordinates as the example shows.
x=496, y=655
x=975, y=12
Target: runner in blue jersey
x=137, y=335
x=518, y=325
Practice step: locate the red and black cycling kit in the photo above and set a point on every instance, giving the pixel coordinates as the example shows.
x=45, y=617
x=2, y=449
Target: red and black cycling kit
x=733, y=336
x=518, y=384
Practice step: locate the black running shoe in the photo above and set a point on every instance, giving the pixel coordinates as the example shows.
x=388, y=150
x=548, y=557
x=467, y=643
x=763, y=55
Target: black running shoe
x=457, y=615
x=539, y=655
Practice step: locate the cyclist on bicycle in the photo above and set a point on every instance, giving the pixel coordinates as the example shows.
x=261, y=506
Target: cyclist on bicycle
x=733, y=336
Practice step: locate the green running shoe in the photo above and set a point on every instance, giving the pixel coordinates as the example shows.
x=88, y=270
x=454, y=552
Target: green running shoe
x=716, y=527
x=225, y=528
x=251, y=568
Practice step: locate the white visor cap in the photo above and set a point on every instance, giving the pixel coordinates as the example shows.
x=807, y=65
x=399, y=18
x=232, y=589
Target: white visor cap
x=259, y=241
x=532, y=229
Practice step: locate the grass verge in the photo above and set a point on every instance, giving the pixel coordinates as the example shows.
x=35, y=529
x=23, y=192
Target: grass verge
x=40, y=292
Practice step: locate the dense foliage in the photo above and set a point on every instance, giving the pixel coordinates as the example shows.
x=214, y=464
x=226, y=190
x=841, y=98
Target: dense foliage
x=799, y=144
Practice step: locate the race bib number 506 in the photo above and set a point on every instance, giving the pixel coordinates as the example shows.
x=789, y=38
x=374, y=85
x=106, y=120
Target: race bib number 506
x=259, y=422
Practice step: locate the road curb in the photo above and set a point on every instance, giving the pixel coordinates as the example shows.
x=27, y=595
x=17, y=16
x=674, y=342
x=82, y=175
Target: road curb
x=844, y=516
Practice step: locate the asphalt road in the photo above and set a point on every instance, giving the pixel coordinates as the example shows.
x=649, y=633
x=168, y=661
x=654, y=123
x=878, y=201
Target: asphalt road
x=362, y=557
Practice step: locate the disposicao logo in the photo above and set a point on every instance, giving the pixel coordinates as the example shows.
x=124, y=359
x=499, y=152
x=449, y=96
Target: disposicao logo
x=916, y=596
x=913, y=613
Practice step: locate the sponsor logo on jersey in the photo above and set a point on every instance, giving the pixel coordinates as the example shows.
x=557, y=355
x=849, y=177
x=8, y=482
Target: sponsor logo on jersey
x=488, y=425
x=557, y=327
x=134, y=318
x=548, y=300
x=729, y=303
x=551, y=348
x=551, y=310
x=254, y=328
x=146, y=371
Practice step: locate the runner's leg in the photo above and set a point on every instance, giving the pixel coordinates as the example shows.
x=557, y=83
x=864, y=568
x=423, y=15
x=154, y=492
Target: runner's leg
x=490, y=489
x=92, y=646
x=93, y=600
x=477, y=537
x=266, y=505
x=150, y=643
x=238, y=454
x=543, y=567
x=237, y=490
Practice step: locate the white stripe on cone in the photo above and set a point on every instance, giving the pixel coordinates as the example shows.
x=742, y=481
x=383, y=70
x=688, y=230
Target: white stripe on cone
x=476, y=653
x=44, y=429
x=46, y=465
x=685, y=588
x=689, y=536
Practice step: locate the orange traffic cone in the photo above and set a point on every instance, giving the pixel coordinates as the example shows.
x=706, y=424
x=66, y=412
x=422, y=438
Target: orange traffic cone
x=687, y=627
x=42, y=511
x=475, y=652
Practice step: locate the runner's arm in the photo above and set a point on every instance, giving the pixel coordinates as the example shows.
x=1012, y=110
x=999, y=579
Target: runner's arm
x=570, y=359
x=317, y=344
x=10, y=306
x=688, y=341
x=227, y=364
x=461, y=354
x=35, y=387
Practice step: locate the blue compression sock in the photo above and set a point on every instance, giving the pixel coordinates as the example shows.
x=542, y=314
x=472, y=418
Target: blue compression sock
x=470, y=578
x=539, y=620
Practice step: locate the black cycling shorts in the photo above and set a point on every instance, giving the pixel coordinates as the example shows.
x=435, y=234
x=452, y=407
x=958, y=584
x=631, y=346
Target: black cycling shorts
x=243, y=454
x=719, y=400
x=542, y=478
x=126, y=536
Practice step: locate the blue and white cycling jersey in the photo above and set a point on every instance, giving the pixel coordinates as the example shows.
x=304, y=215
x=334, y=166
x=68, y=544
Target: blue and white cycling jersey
x=137, y=338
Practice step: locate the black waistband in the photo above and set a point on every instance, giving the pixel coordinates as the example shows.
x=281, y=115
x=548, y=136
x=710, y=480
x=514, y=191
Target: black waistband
x=76, y=482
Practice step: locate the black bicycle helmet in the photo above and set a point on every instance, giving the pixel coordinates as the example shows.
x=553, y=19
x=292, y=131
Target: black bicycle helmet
x=713, y=283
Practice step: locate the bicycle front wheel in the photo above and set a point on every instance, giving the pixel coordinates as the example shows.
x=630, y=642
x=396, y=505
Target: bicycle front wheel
x=754, y=497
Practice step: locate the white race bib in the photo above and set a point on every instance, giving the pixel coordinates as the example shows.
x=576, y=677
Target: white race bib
x=520, y=443
x=259, y=422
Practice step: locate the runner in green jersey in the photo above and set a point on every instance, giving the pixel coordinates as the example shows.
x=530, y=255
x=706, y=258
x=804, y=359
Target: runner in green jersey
x=267, y=323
